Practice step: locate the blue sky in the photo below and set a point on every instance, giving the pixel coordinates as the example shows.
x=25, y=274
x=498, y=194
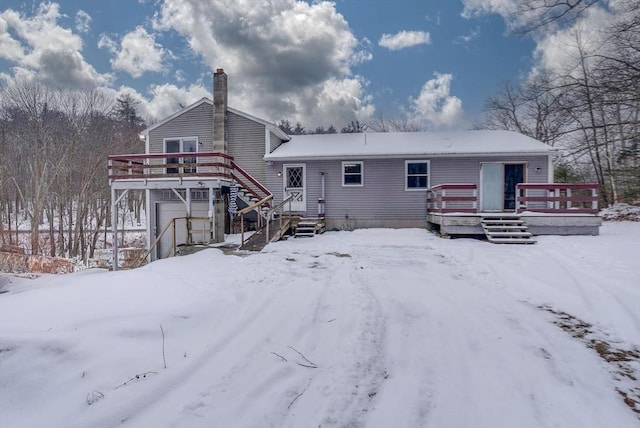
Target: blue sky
x=431, y=61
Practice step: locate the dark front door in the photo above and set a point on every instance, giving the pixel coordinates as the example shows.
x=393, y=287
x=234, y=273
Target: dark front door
x=513, y=174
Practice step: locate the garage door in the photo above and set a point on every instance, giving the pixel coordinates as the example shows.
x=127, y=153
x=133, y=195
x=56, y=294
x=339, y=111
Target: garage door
x=166, y=212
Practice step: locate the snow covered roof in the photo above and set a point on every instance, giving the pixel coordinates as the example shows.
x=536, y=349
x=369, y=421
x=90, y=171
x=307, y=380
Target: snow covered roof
x=407, y=144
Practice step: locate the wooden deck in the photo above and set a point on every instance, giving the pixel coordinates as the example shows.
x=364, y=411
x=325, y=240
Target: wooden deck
x=181, y=170
x=546, y=209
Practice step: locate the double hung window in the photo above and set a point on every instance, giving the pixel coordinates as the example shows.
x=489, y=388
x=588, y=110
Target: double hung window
x=417, y=175
x=181, y=164
x=353, y=173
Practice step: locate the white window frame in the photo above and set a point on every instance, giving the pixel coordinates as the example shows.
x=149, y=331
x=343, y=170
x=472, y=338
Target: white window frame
x=406, y=175
x=181, y=160
x=345, y=163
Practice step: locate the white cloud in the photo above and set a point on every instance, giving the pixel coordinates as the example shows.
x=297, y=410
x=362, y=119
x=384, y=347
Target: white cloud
x=279, y=55
x=466, y=38
x=10, y=48
x=435, y=107
x=404, y=39
x=108, y=43
x=44, y=50
x=166, y=99
x=138, y=53
x=83, y=21
x=559, y=50
x=473, y=8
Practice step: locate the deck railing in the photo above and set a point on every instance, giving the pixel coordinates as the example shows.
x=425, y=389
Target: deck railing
x=183, y=166
x=551, y=198
x=561, y=198
x=453, y=197
x=169, y=165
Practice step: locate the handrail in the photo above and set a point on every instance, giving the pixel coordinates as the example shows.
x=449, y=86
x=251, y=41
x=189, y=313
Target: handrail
x=445, y=186
x=139, y=261
x=280, y=205
x=268, y=215
x=157, y=165
x=236, y=167
x=170, y=155
x=255, y=205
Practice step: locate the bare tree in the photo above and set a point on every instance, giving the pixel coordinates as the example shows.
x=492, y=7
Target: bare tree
x=532, y=15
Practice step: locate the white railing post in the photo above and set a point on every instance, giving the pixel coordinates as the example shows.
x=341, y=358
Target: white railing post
x=556, y=203
x=474, y=193
x=444, y=203
x=568, y=196
x=594, y=193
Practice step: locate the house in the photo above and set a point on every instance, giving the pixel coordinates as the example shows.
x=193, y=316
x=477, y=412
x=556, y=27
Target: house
x=209, y=164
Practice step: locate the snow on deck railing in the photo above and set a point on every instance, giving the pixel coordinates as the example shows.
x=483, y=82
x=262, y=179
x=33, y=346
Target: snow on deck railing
x=452, y=197
x=560, y=198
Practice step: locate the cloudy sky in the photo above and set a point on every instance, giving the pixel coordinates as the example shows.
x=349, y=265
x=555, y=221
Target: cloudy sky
x=320, y=63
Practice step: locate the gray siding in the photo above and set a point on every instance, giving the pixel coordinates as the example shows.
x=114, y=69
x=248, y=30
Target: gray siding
x=274, y=142
x=198, y=122
x=467, y=169
x=383, y=199
x=247, y=144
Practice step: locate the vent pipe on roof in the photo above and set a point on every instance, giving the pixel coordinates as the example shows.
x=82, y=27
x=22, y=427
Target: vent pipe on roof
x=220, y=111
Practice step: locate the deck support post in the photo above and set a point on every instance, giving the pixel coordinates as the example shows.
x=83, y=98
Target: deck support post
x=219, y=215
x=211, y=214
x=115, y=199
x=114, y=228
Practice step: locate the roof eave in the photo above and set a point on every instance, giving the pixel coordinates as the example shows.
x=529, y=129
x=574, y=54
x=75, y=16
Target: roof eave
x=275, y=158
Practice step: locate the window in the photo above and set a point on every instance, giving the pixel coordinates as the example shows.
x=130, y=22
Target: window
x=352, y=174
x=181, y=145
x=417, y=173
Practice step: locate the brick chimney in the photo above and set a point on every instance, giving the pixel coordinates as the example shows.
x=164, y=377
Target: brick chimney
x=220, y=111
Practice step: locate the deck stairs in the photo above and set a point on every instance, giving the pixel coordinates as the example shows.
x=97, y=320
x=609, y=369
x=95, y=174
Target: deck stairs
x=309, y=226
x=506, y=229
x=277, y=229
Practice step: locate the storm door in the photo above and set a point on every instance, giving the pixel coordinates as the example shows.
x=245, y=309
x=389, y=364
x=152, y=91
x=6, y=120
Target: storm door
x=294, y=184
x=498, y=185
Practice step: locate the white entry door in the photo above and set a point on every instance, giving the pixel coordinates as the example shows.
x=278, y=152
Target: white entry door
x=294, y=182
x=491, y=187
x=498, y=183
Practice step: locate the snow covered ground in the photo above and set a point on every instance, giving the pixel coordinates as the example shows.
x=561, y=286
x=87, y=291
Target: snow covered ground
x=371, y=328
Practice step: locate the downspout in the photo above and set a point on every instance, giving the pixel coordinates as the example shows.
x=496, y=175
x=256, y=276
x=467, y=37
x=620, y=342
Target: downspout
x=321, y=207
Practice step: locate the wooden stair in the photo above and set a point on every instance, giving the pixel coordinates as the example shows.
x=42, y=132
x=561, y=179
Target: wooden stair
x=506, y=229
x=309, y=227
x=259, y=240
